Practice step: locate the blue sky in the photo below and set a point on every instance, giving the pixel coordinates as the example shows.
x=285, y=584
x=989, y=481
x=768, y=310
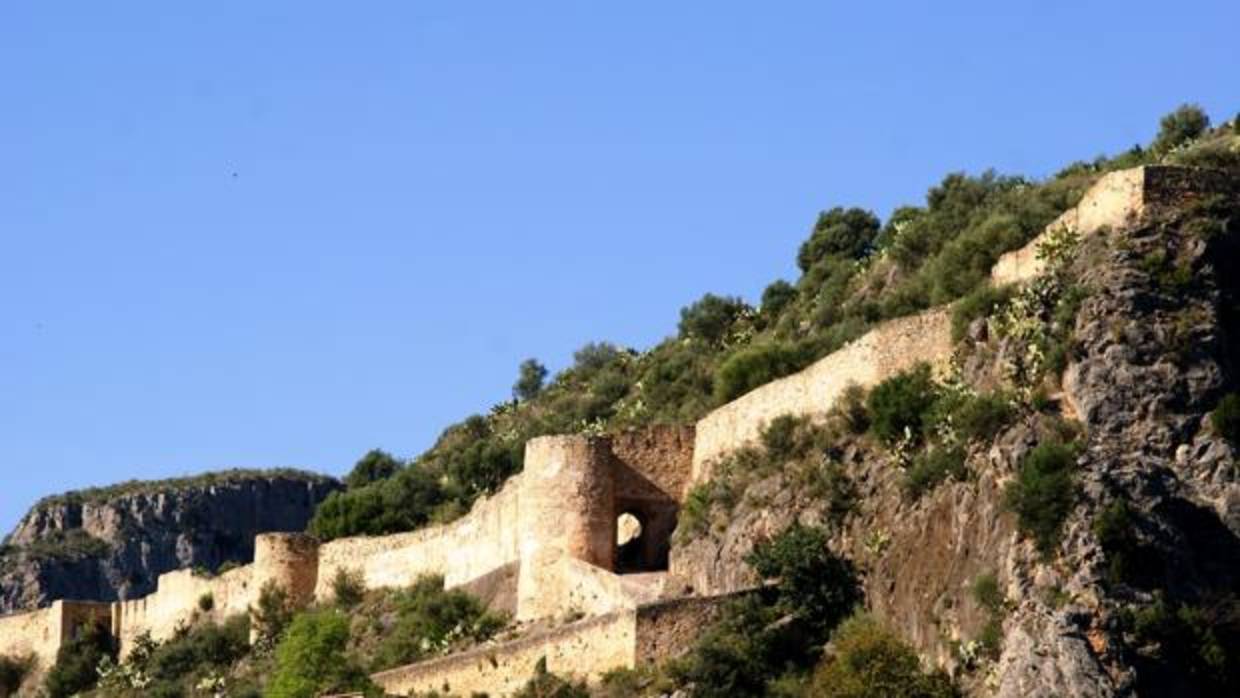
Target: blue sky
x=282, y=233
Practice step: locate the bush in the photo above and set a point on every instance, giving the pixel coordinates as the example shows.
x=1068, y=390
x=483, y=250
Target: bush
x=815, y=586
x=1226, y=418
x=1184, y=124
x=1044, y=493
x=530, y=377
x=348, y=588
x=544, y=684
x=206, y=602
x=376, y=465
x=871, y=662
x=980, y=303
x=429, y=620
x=13, y=672
x=593, y=357
x=901, y=405
x=1195, y=648
x=756, y=366
x=311, y=659
x=982, y=417
x=272, y=615
x=400, y=503
x=839, y=232
x=711, y=317
x=76, y=662
x=776, y=297
x=203, y=647
x=932, y=467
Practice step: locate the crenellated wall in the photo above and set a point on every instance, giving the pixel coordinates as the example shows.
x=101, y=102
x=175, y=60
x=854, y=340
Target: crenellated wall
x=40, y=633
x=176, y=604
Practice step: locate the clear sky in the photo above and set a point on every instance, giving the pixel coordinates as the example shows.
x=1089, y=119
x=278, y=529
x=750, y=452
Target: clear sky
x=283, y=233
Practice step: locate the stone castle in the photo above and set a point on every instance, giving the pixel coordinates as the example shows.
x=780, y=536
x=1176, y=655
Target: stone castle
x=550, y=544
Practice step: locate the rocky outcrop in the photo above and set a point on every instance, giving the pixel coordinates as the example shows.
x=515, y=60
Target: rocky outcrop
x=111, y=544
x=1156, y=343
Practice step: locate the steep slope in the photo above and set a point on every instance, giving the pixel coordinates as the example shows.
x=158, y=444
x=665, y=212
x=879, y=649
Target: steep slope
x=113, y=543
x=1135, y=591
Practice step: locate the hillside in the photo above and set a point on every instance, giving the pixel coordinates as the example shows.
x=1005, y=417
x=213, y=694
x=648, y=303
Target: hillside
x=986, y=447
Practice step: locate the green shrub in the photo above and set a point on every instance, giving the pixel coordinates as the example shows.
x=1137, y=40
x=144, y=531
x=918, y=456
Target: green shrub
x=815, y=586
x=1196, y=648
x=544, y=684
x=205, y=646
x=901, y=405
x=982, y=417
x=711, y=317
x=1184, y=124
x=348, y=587
x=987, y=594
x=206, y=602
x=374, y=466
x=839, y=232
x=1226, y=418
x=13, y=672
x=980, y=303
x=787, y=437
x=400, y=503
x=756, y=366
x=739, y=654
x=871, y=662
x=530, y=377
x=1044, y=493
x=851, y=410
x=429, y=620
x=937, y=464
x=311, y=659
x=272, y=615
x=1116, y=529
x=76, y=662
x=776, y=297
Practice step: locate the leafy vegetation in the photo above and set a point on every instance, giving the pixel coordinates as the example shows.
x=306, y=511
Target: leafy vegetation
x=775, y=635
x=530, y=377
x=1044, y=493
x=13, y=671
x=1226, y=418
x=870, y=661
x=311, y=659
x=901, y=406
x=74, y=671
x=1192, y=649
x=544, y=684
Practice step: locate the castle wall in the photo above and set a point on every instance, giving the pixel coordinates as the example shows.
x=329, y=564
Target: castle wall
x=891, y=347
x=40, y=633
x=1116, y=200
x=584, y=649
x=175, y=604
x=473, y=546
x=658, y=457
x=667, y=629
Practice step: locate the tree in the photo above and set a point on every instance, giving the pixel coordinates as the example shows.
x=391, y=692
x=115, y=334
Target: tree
x=311, y=659
x=530, y=377
x=870, y=661
x=711, y=317
x=815, y=586
x=839, y=232
x=1184, y=124
x=374, y=466
x=76, y=662
x=777, y=296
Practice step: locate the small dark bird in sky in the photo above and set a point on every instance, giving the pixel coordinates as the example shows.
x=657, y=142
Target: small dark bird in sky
x=234, y=175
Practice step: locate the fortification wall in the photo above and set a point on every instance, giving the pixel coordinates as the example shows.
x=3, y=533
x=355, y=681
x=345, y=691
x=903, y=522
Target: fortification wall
x=475, y=545
x=1117, y=200
x=892, y=347
x=660, y=456
x=584, y=649
x=667, y=629
x=176, y=603
x=40, y=633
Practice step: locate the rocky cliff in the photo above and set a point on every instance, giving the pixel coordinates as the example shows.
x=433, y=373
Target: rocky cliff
x=1138, y=593
x=113, y=543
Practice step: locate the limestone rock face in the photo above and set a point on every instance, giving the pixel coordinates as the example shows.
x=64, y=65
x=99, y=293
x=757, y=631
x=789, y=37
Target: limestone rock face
x=110, y=545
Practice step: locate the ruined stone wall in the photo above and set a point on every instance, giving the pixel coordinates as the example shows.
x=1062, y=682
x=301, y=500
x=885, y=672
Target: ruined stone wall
x=1117, y=200
x=39, y=634
x=584, y=649
x=891, y=347
x=475, y=545
x=666, y=629
x=175, y=604
x=661, y=456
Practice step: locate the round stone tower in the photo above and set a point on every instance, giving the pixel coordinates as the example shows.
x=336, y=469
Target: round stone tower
x=289, y=561
x=567, y=510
